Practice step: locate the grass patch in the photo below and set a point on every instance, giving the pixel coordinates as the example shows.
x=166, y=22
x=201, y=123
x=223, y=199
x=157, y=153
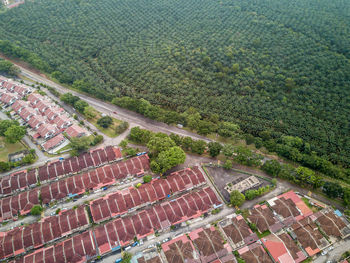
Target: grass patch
x=67, y=147
x=313, y=208
x=9, y=148
x=111, y=130
x=263, y=234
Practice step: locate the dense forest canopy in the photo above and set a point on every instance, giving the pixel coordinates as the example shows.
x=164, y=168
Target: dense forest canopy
x=276, y=65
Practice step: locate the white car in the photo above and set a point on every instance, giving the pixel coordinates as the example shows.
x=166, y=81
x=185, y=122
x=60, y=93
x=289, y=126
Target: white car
x=324, y=252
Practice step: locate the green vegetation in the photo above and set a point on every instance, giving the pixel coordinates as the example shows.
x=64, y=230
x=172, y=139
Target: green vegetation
x=105, y=122
x=7, y=68
x=236, y=198
x=126, y=258
x=7, y=148
x=251, y=194
x=12, y=131
x=36, y=210
x=79, y=145
x=147, y=178
x=305, y=177
x=163, y=150
x=269, y=66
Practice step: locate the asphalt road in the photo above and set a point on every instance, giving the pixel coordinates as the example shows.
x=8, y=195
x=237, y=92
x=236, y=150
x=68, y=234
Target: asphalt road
x=122, y=114
x=334, y=254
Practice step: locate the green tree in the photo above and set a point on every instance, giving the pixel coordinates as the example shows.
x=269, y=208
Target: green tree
x=79, y=145
x=139, y=135
x=333, y=190
x=5, y=124
x=80, y=106
x=8, y=68
x=36, y=210
x=228, y=164
x=89, y=112
x=159, y=142
x=236, y=198
x=169, y=158
x=126, y=258
x=123, y=143
x=69, y=98
x=147, y=178
x=15, y=133
x=272, y=167
x=98, y=139
x=198, y=146
x=214, y=148
x=122, y=127
x=105, y=121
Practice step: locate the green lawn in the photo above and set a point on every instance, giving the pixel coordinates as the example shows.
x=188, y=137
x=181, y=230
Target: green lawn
x=8, y=148
x=110, y=131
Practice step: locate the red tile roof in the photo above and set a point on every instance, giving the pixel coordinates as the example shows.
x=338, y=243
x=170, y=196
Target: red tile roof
x=75, y=131
x=46, y=130
x=55, y=141
x=8, y=98
x=19, y=104
x=62, y=121
x=34, y=98
x=27, y=112
x=35, y=121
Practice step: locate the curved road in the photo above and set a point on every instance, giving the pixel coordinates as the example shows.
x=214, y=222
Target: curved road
x=133, y=118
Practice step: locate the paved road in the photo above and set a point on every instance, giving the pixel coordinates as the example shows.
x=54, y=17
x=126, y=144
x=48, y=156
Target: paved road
x=194, y=224
x=133, y=118
x=335, y=254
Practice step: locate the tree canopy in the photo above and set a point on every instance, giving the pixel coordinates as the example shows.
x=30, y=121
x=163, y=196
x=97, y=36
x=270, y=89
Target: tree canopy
x=237, y=198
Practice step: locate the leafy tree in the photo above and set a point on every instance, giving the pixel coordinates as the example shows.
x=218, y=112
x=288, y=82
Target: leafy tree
x=139, y=135
x=122, y=127
x=69, y=98
x=5, y=124
x=147, y=178
x=80, y=105
x=79, y=145
x=8, y=68
x=176, y=138
x=89, y=112
x=333, y=190
x=249, y=139
x=187, y=143
x=198, y=146
x=36, y=210
x=15, y=133
x=272, y=167
x=159, y=142
x=126, y=257
x=169, y=158
x=228, y=150
x=105, y=121
x=214, y=148
x=228, y=164
x=236, y=198
x=98, y=139
x=123, y=143
x=227, y=129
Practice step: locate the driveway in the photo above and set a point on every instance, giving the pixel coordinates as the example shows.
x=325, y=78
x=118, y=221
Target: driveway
x=335, y=254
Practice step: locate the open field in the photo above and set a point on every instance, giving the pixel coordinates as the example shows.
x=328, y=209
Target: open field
x=110, y=131
x=222, y=177
x=7, y=148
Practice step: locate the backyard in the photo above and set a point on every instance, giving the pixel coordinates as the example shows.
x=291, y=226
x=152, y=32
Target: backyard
x=7, y=148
